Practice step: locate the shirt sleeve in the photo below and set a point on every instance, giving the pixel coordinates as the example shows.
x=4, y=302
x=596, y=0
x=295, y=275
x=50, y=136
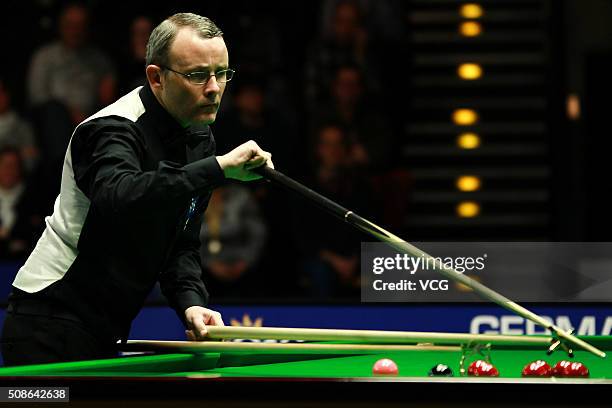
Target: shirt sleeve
x=107, y=164
x=181, y=281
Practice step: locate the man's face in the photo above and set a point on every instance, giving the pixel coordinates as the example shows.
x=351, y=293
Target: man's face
x=140, y=32
x=73, y=27
x=250, y=100
x=331, y=148
x=347, y=86
x=188, y=103
x=10, y=170
x=346, y=22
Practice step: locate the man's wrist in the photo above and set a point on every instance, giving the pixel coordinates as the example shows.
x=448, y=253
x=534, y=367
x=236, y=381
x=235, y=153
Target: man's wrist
x=222, y=162
x=191, y=307
x=225, y=165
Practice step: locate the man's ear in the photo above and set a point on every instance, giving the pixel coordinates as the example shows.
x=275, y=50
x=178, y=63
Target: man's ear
x=154, y=74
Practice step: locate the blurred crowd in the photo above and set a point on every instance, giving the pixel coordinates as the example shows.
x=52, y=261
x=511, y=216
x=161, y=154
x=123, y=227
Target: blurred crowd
x=332, y=123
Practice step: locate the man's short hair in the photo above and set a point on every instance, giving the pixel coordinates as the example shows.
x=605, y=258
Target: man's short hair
x=163, y=35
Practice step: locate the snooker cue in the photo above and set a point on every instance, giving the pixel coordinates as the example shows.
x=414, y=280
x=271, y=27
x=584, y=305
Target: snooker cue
x=396, y=242
x=368, y=336
x=282, y=348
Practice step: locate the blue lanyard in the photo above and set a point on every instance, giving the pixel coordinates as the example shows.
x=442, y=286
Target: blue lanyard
x=192, y=207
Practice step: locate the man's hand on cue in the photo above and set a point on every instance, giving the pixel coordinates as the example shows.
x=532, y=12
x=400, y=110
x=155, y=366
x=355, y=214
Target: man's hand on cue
x=197, y=318
x=238, y=163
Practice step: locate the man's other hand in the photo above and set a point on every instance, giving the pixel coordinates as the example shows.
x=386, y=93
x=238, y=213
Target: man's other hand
x=197, y=318
x=238, y=163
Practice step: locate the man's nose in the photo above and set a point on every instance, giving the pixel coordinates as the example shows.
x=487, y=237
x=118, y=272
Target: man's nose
x=212, y=86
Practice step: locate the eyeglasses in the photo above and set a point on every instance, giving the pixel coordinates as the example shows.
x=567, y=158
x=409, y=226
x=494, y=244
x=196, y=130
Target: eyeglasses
x=202, y=77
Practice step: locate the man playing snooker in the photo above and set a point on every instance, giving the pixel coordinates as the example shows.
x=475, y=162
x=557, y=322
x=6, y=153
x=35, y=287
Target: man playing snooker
x=136, y=179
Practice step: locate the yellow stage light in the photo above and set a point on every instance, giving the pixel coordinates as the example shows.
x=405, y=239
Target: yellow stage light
x=468, y=140
x=471, y=10
x=470, y=29
x=469, y=71
x=468, y=183
x=572, y=104
x=465, y=117
x=464, y=288
x=468, y=209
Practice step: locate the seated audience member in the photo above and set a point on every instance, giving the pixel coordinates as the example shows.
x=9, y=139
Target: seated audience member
x=347, y=42
x=251, y=118
x=15, y=131
x=68, y=80
x=370, y=134
x=385, y=19
x=132, y=73
x=258, y=50
x=330, y=249
x=21, y=221
x=233, y=238
x=372, y=144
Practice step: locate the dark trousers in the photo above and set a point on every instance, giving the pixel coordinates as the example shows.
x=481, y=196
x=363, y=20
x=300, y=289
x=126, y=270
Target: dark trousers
x=36, y=333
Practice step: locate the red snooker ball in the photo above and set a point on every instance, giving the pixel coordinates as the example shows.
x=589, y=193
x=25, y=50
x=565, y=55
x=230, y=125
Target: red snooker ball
x=481, y=368
x=561, y=369
x=538, y=368
x=385, y=366
x=566, y=368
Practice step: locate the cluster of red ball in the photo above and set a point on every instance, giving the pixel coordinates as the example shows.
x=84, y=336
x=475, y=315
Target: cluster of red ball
x=481, y=368
x=563, y=368
x=539, y=368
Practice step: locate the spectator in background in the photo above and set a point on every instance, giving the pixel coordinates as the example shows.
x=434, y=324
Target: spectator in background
x=68, y=80
x=330, y=250
x=15, y=131
x=232, y=241
x=20, y=222
x=131, y=74
x=371, y=142
x=258, y=52
x=370, y=134
x=385, y=18
x=250, y=118
x=347, y=42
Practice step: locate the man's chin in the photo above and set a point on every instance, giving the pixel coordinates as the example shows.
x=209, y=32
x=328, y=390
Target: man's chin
x=206, y=119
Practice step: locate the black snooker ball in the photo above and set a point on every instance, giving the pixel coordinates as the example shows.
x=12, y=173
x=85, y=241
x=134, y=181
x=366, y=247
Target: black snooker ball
x=441, y=370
